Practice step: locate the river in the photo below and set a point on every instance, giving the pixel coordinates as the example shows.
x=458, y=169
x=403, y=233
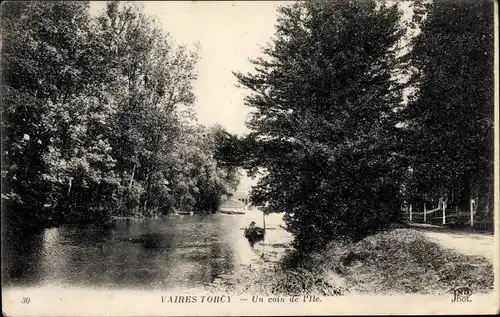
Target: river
x=189, y=252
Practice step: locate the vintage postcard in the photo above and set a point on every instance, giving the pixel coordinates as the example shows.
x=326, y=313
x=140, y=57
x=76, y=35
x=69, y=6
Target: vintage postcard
x=249, y=158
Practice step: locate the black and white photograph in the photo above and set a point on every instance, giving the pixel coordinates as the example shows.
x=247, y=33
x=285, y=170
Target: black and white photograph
x=206, y=158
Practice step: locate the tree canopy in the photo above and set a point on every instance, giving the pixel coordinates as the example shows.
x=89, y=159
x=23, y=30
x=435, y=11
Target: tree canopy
x=324, y=128
x=96, y=117
x=450, y=113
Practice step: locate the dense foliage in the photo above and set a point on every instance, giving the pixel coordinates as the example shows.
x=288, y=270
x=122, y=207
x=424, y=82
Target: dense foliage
x=96, y=117
x=324, y=126
x=339, y=147
x=450, y=114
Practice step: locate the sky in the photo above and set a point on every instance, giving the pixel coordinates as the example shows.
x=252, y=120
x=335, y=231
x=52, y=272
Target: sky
x=229, y=33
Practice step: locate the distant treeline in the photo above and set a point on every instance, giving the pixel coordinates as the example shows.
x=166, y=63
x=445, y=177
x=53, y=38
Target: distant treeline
x=358, y=108
x=97, y=118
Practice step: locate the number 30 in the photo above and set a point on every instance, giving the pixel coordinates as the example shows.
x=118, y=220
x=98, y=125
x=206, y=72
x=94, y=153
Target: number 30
x=25, y=300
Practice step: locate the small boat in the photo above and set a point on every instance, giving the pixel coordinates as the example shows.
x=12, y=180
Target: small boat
x=254, y=233
x=185, y=213
x=230, y=212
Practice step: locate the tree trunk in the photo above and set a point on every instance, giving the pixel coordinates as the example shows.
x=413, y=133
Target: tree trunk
x=70, y=184
x=131, y=178
x=484, y=213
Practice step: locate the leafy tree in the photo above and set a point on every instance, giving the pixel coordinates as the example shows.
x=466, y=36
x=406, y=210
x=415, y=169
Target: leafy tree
x=450, y=115
x=41, y=64
x=155, y=77
x=200, y=180
x=324, y=129
x=96, y=117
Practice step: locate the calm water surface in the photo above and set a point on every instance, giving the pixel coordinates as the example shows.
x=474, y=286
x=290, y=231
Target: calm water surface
x=188, y=252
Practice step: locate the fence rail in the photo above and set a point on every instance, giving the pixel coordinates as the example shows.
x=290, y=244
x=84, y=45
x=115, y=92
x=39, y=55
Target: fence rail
x=441, y=214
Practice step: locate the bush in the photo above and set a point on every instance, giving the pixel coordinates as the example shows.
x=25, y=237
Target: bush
x=344, y=215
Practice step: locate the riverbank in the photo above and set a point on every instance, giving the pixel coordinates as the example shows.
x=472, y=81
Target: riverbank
x=398, y=261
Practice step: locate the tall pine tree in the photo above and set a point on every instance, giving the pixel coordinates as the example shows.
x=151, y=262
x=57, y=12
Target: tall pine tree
x=324, y=129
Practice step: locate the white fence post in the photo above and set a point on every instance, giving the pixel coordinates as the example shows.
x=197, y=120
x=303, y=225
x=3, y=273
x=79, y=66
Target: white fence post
x=472, y=212
x=425, y=216
x=444, y=213
x=410, y=212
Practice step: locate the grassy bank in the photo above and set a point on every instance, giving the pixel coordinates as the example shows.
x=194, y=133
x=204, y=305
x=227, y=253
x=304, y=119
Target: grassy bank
x=405, y=261
x=393, y=262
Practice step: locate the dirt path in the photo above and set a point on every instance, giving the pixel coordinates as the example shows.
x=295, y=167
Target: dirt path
x=466, y=243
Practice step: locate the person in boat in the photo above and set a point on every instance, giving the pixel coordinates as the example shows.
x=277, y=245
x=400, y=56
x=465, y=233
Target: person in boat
x=253, y=232
x=250, y=229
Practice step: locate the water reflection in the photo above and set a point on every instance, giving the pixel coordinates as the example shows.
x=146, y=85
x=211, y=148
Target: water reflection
x=171, y=252
x=253, y=241
x=21, y=258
